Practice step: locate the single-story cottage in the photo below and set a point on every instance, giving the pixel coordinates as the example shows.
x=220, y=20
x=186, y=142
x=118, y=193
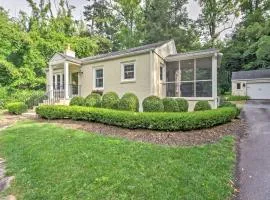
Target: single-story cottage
x=254, y=83
x=154, y=69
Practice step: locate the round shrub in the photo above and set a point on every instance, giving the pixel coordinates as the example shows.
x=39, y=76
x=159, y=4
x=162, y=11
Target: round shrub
x=170, y=105
x=202, y=105
x=182, y=105
x=77, y=101
x=153, y=104
x=93, y=100
x=17, y=108
x=110, y=100
x=129, y=102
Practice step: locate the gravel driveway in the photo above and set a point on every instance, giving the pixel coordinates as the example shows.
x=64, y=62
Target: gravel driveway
x=254, y=163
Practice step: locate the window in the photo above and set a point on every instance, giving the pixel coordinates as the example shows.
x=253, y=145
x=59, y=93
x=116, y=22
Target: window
x=128, y=72
x=189, y=78
x=238, y=86
x=98, y=78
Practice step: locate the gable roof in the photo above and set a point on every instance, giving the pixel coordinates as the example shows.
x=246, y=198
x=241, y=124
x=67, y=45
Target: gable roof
x=60, y=56
x=126, y=52
x=253, y=74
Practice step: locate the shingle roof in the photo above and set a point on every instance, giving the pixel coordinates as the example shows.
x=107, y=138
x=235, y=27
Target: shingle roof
x=253, y=74
x=140, y=49
x=212, y=50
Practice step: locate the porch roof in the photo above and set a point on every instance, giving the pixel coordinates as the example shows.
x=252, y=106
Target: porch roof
x=189, y=54
x=60, y=57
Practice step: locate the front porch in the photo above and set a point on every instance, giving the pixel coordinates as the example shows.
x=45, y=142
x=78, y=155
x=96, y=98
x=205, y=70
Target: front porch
x=63, y=77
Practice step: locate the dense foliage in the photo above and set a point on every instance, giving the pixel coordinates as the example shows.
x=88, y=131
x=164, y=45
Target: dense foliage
x=77, y=101
x=170, y=105
x=110, y=100
x=202, y=105
x=93, y=100
x=152, y=104
x=132, y=120
x=182, y=105
x=130, y=102
x=29, y=97
x=16, y=108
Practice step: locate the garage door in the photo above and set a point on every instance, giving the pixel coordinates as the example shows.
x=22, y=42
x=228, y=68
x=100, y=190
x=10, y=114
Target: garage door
x=258, y=90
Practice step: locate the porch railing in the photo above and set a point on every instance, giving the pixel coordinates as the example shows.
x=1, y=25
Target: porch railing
x=58, y=91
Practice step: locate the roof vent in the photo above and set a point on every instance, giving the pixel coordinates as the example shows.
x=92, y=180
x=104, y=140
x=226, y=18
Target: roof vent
x=69, y=52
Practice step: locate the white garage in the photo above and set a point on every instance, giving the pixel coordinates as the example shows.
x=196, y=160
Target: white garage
x=254, y=83
x=258, y=90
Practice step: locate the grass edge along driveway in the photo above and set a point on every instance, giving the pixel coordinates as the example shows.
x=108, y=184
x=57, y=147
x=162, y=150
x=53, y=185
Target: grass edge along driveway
x=50, y=162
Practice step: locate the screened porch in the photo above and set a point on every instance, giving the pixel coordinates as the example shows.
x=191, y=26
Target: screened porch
x=192, y=76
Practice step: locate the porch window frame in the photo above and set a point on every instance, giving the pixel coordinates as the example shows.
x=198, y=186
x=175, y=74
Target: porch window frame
x=194, y=81
x=95, y=78
x=123, y=65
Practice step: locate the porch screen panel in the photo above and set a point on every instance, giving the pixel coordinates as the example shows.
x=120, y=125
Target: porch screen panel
x=172, y=69
x=204, y=77
x=186, y=80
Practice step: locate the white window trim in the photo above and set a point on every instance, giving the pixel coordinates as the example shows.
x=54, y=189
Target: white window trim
x=163, y=68
x=123, y=80
x=94, y=78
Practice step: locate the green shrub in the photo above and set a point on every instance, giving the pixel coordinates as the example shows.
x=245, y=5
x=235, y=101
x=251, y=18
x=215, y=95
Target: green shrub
x=93, y=100
x=134, y=120
x=153, y=104
x=236, y=98
x=202, y=105
x=77, y=101
x=226, y=104
x=170, y=105
x=182, y=105
x=110, y=100
x=129, y=102
x=17, y=108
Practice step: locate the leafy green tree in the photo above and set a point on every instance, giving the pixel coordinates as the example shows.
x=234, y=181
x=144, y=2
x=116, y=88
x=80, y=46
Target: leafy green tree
x=217, y=16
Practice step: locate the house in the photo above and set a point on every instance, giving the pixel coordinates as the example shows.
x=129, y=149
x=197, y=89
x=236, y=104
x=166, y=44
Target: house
x=254, y=83
x=154, y=69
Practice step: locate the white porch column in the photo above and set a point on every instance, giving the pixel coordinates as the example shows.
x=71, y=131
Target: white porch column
x=66, y=75
x=50, y=86
x=214, y=80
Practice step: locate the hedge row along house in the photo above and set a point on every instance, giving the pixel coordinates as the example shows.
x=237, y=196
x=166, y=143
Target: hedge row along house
x=155, y=69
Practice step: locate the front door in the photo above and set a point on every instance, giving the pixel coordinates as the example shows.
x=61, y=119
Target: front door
x=58, y=85
x=75, y=84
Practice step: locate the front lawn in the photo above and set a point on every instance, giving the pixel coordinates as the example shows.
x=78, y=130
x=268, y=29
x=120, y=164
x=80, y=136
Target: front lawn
x=55, y=163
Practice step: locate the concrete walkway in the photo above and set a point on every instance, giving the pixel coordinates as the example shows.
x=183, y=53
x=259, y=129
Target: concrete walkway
x=255, y=152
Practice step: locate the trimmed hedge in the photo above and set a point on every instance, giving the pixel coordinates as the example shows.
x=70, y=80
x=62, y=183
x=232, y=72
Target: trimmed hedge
x=202, y=105
x=93, y=100
x=182, y=105
x=153, y=104
x=110, y=100
x=170, y=105
x=236, y=98
x=77, y=101
x=133, y=120
x=17, y=108
x=129, y=102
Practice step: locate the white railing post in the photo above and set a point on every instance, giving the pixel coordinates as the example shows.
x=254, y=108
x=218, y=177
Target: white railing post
x=66, y=74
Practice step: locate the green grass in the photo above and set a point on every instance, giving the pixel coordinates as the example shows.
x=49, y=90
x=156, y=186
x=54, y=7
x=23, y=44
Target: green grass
x=55, y=163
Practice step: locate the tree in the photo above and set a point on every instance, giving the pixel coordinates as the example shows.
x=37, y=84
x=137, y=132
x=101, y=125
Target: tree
x=168, y=19
x=216, y=17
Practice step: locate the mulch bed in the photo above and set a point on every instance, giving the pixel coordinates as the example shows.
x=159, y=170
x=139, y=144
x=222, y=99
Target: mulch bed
x=178, y=138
